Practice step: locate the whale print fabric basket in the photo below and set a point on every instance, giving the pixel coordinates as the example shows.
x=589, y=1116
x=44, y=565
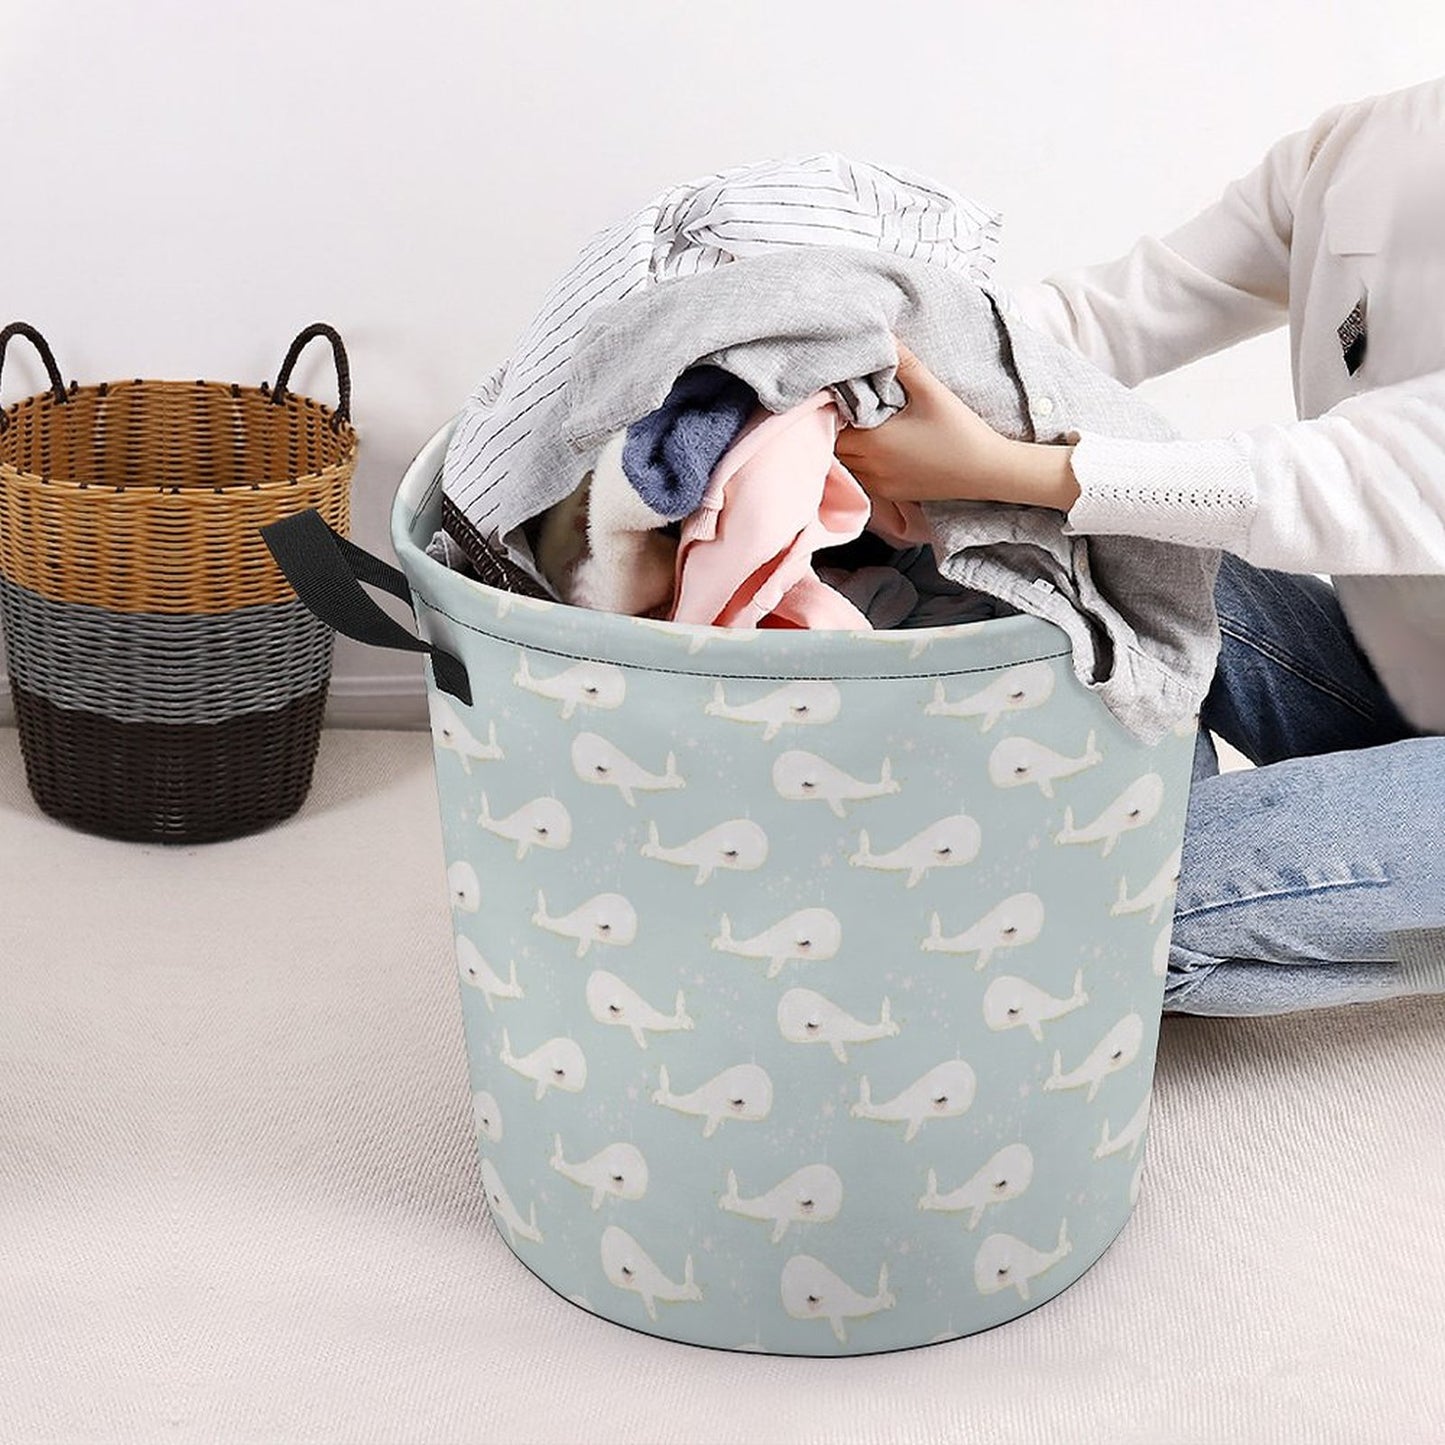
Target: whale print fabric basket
x=168, y=685
x=811, y=981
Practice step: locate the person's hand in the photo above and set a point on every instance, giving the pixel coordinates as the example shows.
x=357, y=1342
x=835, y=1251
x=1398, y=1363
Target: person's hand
x=935, y=447
x=938, y=448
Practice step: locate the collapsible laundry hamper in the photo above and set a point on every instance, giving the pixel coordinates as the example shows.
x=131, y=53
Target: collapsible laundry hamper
x=167, y=684
x=811, y=981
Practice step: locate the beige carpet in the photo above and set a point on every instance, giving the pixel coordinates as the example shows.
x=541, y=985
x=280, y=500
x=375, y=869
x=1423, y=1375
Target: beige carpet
x=239, y=1196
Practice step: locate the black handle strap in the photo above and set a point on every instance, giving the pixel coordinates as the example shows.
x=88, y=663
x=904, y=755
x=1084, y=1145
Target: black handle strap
x=25, y=329
x=326, y=570
x=343, y=368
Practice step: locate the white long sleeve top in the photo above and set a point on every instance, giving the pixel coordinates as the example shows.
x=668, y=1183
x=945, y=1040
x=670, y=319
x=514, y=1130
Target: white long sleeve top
x=1350, y=210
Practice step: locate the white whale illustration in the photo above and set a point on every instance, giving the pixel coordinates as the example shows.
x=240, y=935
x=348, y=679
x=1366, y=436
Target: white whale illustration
x=810, y=1195
x=738, y=844
x=1015, y=1003
x=506, y=601
x=948, y=843
x=542, y=823
x=1017, y=920
x=809, y=936
x=557, y=1064
x=743, y=1092
x=610, y=1001
x=487, y=1115
x=619, y=1171
x=811, y=1291
x=452, y=734
x=479, y=974
x=1155, y=893
x=802, y=702
x=917, y=639
x=466, y=890
x=595, y=760
x=798, y=776
x=805, y=1017
x=1005, y=1176
x=506, y=1214
x=585, y=684
x=1135, y=1184
x=1116, y=1050
x=629, y=1267
x=1016, y=761
x=1028, y=685
x=603, y=918
x=1129, y=1137
x=1159, y=961
x=1137, y=805
x=1006, y=1262
x=944, y=1092
x=698, y=636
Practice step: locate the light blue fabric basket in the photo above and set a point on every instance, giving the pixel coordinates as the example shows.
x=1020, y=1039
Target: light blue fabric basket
x=811, y=981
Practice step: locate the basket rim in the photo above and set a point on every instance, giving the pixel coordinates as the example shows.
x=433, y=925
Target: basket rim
x=541, y=624
x=291, y=403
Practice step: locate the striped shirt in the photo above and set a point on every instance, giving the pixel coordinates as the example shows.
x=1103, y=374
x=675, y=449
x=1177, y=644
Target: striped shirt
x=820, y=200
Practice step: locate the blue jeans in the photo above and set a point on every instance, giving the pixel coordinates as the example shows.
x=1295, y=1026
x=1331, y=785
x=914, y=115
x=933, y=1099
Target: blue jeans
x=1299, y=875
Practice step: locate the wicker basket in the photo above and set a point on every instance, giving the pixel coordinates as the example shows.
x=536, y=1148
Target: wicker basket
x=167, y=684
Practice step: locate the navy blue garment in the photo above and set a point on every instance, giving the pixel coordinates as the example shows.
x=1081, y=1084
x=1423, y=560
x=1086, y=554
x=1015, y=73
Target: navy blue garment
x=670, y=453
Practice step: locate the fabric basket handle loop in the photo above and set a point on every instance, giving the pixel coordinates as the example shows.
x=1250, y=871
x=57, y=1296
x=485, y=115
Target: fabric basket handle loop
x=343, y=369
x=23, y=328
x=327, y=571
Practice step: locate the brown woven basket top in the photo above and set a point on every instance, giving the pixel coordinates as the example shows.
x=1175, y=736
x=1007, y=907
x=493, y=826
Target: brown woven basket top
x=146, y=496
x=163, y=435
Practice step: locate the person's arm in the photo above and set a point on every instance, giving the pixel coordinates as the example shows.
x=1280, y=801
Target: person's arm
x=1214, y=281
x=1360, y=489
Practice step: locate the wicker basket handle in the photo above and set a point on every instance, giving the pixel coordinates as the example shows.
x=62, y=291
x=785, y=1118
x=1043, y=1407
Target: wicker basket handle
x=343, y=368
x=327, y=572
x=23, y=328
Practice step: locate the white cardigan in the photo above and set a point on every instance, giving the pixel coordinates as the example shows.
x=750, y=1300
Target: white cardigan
x=1350, y=209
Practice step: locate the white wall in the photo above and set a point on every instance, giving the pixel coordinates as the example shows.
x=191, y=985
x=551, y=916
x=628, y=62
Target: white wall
x=187, y=184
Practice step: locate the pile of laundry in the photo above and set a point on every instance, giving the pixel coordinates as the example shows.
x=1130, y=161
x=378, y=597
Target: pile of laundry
x=661, y=442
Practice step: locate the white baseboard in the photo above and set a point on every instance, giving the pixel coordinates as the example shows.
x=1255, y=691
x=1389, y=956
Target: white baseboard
x=395, y=703
x=376, y=702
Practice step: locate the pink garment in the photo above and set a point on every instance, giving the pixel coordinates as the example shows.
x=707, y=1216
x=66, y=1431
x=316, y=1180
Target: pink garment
x=901, y=523
x=776, y=496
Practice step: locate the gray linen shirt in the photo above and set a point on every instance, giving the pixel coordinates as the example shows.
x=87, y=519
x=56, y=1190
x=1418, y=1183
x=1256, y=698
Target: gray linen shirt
x=1139, y=613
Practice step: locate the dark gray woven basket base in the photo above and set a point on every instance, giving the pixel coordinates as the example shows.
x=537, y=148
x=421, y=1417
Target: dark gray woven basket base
x=169, y=782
